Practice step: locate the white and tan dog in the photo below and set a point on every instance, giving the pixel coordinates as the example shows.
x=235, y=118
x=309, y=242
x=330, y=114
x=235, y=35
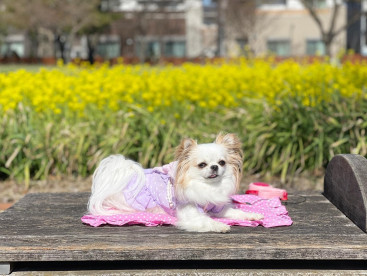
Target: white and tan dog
x=199, y=184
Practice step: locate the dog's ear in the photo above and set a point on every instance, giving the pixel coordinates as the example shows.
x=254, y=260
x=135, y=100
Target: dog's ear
x=234, y=148
x=185, y=146
x=188, y=142
x=182, y=155
x=229, y=140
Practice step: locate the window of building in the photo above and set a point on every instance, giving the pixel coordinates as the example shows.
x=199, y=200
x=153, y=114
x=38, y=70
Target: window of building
x=279, y=47
x=210, y=12
x=209, y=3
x=148, y=49
x=271, y=2
x=315, y=47
x=109, y=49
x=175, y=49
x=112, y=5
x=12, y=48
x=153, y=49
x=317, y=4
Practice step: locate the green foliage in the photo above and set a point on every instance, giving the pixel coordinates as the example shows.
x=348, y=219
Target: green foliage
x=282, y=142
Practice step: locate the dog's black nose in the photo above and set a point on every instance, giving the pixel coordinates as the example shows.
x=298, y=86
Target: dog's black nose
x=214, y=167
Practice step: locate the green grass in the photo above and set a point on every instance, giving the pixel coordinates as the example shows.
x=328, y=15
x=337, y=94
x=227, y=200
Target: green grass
x=282, y=142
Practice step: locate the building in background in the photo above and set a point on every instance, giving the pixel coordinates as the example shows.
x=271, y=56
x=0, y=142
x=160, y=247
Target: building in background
x=284, y=28
x=151, y=29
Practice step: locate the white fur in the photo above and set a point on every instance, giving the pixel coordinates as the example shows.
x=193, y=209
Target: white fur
x=202, y=186
x=109, y=180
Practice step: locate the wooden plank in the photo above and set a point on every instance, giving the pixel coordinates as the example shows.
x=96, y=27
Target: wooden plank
x=345, y=185
x=47, y=227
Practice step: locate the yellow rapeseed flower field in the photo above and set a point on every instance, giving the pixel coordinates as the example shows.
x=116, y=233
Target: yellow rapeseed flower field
x=156, y=89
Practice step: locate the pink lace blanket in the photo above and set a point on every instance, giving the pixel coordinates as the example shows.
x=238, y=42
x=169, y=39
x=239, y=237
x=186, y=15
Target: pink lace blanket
x=275, y=214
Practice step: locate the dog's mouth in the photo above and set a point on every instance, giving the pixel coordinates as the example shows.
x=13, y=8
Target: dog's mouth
x=213, y=176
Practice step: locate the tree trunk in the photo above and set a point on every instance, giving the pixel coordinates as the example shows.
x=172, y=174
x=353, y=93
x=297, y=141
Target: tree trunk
x=91, y=50
x=33, y=37
x=61, y=43
x=327, y=39
x=328, y=48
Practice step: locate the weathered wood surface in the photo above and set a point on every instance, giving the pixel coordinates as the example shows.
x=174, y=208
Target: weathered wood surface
x=47, y=227
x=345, y=185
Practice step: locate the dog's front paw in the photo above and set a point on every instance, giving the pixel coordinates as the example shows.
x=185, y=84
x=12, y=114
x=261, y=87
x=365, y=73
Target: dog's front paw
x=241, y=215
x=206, y=225
x=220, y=227
x=253, y=216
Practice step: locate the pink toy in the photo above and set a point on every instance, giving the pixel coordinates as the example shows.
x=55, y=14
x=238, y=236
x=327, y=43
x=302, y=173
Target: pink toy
x=265, y=190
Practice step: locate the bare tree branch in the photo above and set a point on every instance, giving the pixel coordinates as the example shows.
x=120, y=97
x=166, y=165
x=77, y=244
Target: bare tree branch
x=333, y=18
x=314, y=15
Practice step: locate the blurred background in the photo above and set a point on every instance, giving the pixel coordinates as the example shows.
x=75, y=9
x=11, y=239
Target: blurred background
x=152, y=30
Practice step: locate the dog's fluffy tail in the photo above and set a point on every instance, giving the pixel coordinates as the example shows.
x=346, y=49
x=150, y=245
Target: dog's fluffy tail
x=109, y=180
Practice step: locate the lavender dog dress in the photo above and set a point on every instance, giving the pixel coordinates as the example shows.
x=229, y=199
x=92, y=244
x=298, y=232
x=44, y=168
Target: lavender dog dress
x=159, y=192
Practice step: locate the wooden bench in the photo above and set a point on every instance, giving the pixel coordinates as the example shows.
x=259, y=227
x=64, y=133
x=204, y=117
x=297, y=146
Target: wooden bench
x=43, y=232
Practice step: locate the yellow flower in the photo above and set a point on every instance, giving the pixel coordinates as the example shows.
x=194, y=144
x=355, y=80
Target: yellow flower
x=175, y=90
x=150, y=109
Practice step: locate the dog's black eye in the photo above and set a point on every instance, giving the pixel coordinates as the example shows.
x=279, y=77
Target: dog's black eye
x=202, y=165
x=222, y=162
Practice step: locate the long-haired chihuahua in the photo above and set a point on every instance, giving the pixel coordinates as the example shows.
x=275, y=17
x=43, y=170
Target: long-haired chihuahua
x=198, y=185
